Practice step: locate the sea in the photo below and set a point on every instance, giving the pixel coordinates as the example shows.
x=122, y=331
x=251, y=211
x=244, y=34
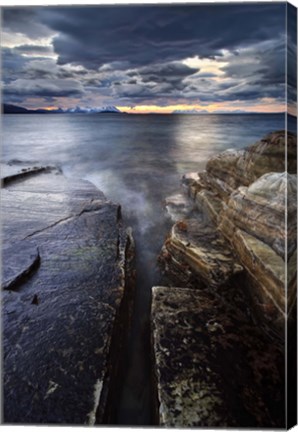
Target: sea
x=137, y=161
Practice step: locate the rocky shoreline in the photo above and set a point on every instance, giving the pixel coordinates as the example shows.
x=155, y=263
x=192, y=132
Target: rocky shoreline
x=67, y=291
x=229, y=286
x=217, y=317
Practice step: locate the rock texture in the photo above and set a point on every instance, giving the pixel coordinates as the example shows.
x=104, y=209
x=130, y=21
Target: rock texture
x=67, y=271
x=233, y=168
x=17, y=170
x=260, y=210
x=248, y=198
x=213, y=368
x=178, y=206
x=195, y=251
x=234, y=255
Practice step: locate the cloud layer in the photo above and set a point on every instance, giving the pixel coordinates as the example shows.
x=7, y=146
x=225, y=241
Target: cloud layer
x=157, y=55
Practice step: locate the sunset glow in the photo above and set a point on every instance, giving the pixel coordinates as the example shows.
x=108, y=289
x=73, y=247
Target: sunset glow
x=191, y=61
x=264, y=106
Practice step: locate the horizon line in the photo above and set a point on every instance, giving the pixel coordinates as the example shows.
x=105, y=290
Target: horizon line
x=131, y=112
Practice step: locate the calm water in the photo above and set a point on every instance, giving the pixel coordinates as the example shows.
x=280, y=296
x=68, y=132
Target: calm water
x=136, y=161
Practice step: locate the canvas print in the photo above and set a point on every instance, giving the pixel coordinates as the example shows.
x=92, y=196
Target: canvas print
x=148, y=208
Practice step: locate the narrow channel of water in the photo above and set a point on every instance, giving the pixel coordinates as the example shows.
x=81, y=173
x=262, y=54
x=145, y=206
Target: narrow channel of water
x=135, y=404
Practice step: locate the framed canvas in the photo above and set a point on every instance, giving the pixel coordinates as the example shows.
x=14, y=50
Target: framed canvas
x=149, y=215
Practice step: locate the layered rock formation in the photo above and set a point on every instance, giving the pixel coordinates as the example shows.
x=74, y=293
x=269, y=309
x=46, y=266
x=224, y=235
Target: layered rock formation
x=67, y=284
x=260, y=210
x=233, y=168
x=196, y=252
x=238, y=243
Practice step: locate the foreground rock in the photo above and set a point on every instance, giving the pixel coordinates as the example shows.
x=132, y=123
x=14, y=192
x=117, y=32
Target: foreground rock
x=248, y=198
x=233, y=168
x=235, y=257
x=195, y=253
x=16, y=170
x=213, y=367
x=260, y=210
x=67, y=260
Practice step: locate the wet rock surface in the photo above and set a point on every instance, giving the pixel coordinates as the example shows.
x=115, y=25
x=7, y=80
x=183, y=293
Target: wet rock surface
x=194, y=247
x=252, y=213
x=66, y=288
x=239, y=247
x=213, y=367
x=11, y=172
x=260, y=210
x=20, y=260
x=178, y=206
x=234, y=168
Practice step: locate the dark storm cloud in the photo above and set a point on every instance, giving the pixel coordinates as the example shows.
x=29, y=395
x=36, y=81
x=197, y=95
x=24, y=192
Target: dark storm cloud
x=153, y=81
x=144, y=35
x=165, y=72
x=135, y=52
x=292, y=56
x=93, y=36
x=43, y=88
x=16, y=65
x=262, y=63
x=25, y=21
x=47, y=68
x=249, y=92
x=12, y=64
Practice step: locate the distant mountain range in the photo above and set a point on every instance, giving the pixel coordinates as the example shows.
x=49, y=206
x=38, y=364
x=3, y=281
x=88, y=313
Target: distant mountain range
x=14, y=109
x=100, y=110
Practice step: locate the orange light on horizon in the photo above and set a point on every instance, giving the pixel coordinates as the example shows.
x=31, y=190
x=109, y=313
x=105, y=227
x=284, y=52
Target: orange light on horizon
x=50, y=108
x=145, y=109
x=266, y=106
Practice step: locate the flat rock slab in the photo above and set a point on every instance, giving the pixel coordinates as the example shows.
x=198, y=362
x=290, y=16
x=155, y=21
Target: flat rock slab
x=20, y=260
x=60, y=323
x=12, y=172
x=213, y=367
x=43, y=200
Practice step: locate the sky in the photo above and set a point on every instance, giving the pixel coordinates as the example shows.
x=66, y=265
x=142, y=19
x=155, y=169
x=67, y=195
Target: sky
x=147, y=58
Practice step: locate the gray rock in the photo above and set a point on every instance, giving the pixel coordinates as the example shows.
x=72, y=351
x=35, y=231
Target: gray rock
x=63, y=325
x=11, y=172
x=248, y=192
x=211, y=203
x=233, y=168
x=260, y=210
x=20, y=259
x=178, y=206
x=212, y=367
x=194, y=250
x=243, y=292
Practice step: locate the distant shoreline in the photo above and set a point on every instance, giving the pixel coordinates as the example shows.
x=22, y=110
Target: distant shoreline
x=14, y=109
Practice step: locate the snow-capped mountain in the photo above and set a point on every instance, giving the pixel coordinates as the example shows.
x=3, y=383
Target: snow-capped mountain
x=107, y=109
